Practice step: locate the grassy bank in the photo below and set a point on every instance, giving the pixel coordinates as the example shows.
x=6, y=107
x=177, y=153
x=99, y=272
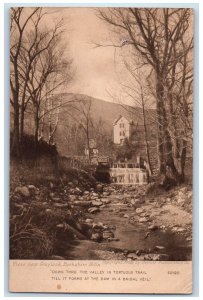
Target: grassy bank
x=40, y=205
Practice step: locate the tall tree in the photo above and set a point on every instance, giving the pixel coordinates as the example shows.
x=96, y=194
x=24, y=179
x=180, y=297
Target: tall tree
x=163, y=40
x=18, y=30
x=85, y=122
x=135, y=88
x=38, y=70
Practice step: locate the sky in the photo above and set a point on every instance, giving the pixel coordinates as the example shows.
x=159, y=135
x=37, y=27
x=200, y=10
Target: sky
x=98, y=71
x=95, y=72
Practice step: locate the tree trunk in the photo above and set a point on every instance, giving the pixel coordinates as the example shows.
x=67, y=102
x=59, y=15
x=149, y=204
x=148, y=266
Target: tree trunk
x=146, y=136
x=15, y=147
x=160, y=128
x=41, y=129
x=183, y=160
x=165, y=149
x=88, y=148
x=36, y=130
x=173, y=128
x=88, y=140
x=170, y=160
x=22, y=116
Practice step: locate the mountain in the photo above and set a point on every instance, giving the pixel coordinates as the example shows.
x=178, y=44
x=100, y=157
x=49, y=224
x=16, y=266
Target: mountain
x=100, y=109
x=77, y=108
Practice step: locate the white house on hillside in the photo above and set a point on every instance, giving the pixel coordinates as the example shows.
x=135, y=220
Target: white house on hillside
x=122, y=128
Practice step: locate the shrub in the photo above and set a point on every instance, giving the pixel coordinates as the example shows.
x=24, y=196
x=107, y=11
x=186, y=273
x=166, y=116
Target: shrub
x=27, y=241
x=29, y=149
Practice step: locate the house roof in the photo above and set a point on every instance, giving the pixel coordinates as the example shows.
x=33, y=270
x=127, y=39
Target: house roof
x=119, y=117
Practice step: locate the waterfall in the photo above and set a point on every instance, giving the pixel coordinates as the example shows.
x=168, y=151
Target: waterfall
x=122, y=174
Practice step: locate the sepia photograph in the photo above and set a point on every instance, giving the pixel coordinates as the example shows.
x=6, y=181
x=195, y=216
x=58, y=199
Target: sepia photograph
x=101, y=134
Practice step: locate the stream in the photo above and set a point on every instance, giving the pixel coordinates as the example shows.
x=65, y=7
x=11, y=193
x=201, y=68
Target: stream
x=132, y=239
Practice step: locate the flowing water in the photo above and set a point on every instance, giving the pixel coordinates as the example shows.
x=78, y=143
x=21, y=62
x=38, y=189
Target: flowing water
x=120, y=174
x=132, y=236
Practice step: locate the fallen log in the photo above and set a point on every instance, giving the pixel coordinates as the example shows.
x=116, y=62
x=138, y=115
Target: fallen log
x=68, y=228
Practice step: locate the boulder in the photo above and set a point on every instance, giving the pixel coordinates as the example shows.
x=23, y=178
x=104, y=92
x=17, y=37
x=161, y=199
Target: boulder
x=112, y=227
x=33, y=190
x=96, y=203
x=56, y=199
x=73, y=197
x=190, y=195
x=19, y=206
x=144, y=214
x=89, y=220
x=105, y=200
x=146, y=235
x=159, y=248
x=78, y=191
x=137, y=201
x=178, y=229
x=132, y=188
x=139, y=210
x=107, y=235
x=111, y=190
x=95, y=194
x=181, y=198
x=156, y=257
x=82, y=203
x=153, y=227
x=99, y=225
x=103, y=206
x=110, y=239
x=75, y=182
x=60, y=225
x=71, y=191
x=93, y=210
x=23, y=191
x=182, y=191
x=132, y=256
x=132, y=201
x=56, y=257
x=105, y=194
x=51, y=185
x=163, y=227
x=60, y=205
x=32, y=187
x=96, y=236
x=51, y=194
x=143, y=220
x=138, y=252
x=126, y=196
x=99, y=188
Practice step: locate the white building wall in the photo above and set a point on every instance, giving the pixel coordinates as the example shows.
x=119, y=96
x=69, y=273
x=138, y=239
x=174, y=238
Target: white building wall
x=121, y=130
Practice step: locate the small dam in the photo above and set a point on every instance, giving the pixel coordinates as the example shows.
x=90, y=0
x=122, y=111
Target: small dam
x=128, y=173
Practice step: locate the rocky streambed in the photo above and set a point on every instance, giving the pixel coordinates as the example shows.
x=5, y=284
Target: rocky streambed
x=103, y=222
x=125, y=223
